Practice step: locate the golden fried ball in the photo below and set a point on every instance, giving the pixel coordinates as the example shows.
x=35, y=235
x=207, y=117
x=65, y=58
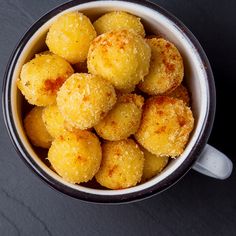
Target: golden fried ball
x=153, y=164
x=70, y=36
x=123, y=120
x=166, y=69
x=122, y=164
x=181, y=92
x=118, y=20
x=122, y=57
x=76, y=156
x=41, y=78
x=165, y=126
x=53, y=120
x=85, y=99
x=36, y=130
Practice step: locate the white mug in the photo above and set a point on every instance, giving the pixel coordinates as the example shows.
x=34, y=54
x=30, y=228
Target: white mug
x=198, y=155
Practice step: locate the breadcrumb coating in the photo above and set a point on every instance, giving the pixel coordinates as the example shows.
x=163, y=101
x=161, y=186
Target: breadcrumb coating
x=166, y=68
x=76, y=156
x=119, y=20
x=165, y=127
x=123, y=120
x=122, y=164
x=153, y=164
x=53, y=120
x=70, y=36
x=182, y=93
x=85, y=99
x=41, y=78
x=122, y=57
x=36, y=130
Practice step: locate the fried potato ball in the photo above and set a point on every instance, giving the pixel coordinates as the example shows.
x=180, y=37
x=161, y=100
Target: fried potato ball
x=122, y=57
x=122, y=164
x=165, y=126
x=36, y=130
x=41, y=78
x=85, y=99
x=76, y=156
x=123, y=120
x=166, y=69
x=53, y=120
x=118, y=20
x=153, y=164
x=70, y=36
x=181, y=92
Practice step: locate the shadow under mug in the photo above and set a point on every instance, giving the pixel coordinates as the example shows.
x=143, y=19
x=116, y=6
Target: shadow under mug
x=198, y=77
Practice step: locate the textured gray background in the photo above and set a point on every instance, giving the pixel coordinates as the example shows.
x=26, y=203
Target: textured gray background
x=197, y=205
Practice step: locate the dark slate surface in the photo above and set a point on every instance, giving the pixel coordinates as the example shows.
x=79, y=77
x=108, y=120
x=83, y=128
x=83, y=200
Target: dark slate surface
x=197, y=205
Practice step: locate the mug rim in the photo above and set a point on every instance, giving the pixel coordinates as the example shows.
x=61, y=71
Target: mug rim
x=170, y=180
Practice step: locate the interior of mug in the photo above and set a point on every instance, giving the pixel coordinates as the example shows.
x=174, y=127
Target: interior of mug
x=195, y=78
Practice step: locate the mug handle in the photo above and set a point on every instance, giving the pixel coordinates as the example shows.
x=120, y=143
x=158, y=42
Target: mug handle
x=213, y=163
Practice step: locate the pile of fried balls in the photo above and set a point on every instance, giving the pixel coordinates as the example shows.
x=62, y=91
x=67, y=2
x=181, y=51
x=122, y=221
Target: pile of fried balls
x=109, y=102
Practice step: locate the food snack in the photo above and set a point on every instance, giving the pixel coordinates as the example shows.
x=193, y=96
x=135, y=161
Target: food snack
x=118, y=20
x=166, y=68
x=123, y=120
x=122, y=164
x=70, y=36
x=36, y=130
x=77, y=86
x=165, y=126
x=41, y=78
x=85, y=99
x=153, y=164
x=122, y=57
x=181, y=92
x=76, y=156
x=53, y=120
